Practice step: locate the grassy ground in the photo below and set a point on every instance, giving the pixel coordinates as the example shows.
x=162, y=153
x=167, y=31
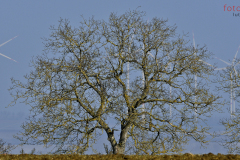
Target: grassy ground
x=186, y=156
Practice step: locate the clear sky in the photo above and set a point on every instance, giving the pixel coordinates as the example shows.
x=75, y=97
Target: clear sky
x=213, y=26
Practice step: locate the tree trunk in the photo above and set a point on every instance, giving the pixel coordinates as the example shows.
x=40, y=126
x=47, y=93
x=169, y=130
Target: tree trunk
x=120, y=147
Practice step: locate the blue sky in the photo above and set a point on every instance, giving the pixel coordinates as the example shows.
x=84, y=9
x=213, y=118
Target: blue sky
x=213, y=26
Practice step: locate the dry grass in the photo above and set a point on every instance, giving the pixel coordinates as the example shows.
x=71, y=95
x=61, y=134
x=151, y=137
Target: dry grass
x=186, y=156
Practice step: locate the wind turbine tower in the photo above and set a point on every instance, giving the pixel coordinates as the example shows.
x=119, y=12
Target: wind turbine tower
x=195, y=79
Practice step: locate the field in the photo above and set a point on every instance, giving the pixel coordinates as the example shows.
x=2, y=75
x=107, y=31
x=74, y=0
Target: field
x=186, y=156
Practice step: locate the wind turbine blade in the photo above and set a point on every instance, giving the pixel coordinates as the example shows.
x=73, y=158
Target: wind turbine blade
x=7, y=57
x=235, y=71
x=195, y=53
x=150, y=54
x=223, y=61
x=213, y=66
x=206, y=63
x=237, y=63
x=137, y=51
x=235, y=56
x=7, y=41
x=193, y=41
x=220, y=68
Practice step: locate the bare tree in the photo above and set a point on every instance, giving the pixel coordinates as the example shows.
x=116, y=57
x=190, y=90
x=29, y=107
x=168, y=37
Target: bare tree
x=5, y=148
x=81, y=91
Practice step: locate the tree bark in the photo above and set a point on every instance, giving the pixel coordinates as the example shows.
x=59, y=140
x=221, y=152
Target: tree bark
x=120, y=147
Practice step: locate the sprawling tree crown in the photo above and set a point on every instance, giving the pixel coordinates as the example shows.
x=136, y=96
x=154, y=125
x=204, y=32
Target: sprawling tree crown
x=84, y=90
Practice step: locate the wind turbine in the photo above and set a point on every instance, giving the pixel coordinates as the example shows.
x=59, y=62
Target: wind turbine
x=170, y=87
x=128, y=77
x=143, y=82
x=143, y=79
x=4, y=44
x=128, y=83
x=233, y=65
x=195, y=76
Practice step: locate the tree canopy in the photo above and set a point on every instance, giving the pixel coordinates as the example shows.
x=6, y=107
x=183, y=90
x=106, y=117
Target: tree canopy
x=81, y=91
